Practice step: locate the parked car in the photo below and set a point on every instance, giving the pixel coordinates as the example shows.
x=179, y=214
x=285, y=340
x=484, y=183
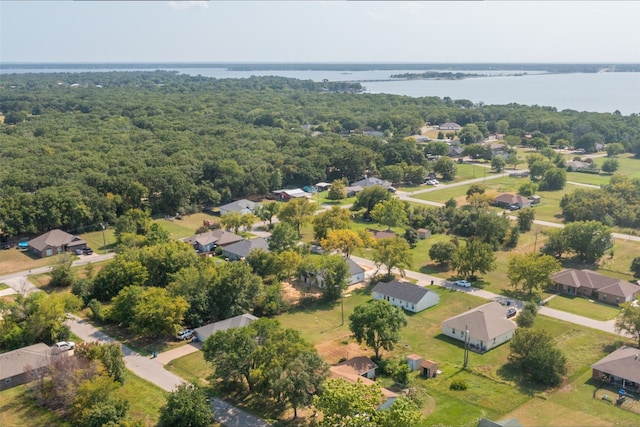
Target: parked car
x=511, y=312
x=87, y=251
x=463, y=283
x=391, y=189
x=65, y=345
x=514, y=207
x=78, y=252
x=185, y=334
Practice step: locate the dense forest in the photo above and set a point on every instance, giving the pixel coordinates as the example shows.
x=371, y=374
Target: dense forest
x=78, y=149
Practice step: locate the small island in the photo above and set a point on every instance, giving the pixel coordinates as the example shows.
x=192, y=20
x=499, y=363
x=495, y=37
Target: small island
x=436, y=75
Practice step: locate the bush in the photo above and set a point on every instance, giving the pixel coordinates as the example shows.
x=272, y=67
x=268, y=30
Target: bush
x=458, y=385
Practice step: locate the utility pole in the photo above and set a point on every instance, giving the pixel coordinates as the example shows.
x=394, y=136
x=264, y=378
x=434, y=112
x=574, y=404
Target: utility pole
x=342, y=306
x=104, y=241
x=466, y=346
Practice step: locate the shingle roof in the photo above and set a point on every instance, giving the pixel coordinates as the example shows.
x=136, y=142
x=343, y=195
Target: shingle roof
x=403, y=291
x=54, y=238
x=337, y=372
x=484, y=323
x=243, y=247
x=219, y=237
x=620, y=289
x=238, y=205
x=240, y=321
x=623, y=363
x=582, y=278
x=358, y=365
x=15, y=362
x=354, y=268
x=371, y=181
x=512, y=199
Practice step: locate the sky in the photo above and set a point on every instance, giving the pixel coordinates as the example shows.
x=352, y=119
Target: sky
x=320, y=31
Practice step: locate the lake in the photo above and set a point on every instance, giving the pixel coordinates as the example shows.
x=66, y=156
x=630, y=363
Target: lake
x=603, y=92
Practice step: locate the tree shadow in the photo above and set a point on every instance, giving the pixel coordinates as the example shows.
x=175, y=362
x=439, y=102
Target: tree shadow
x=511, y=373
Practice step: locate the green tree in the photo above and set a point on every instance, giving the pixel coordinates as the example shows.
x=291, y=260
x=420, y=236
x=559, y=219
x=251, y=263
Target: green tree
x=635, y=267
x=526, y=216
x=498, y=163
x=442, y=252
x=123, y=305
x=267, y=211
x=554, y=178
x=528, y=315
x=556, y=244
x=369, y=197
x=116, y=275
x=629, y=320
x=391, y=213
x=445, y=167
x=186, y=406
x=109, y=354
x=297, y=212
x=158, y=313
x=61, y=273
x=96, y=403
x=513, y=159
x=614, y=149
x=157, y=234
x=392, y=252
x=231, y=353
x=587, y=239
x=473, y=257
x=301, y=379
x=528, y=189
x=234, y=290
x=470, y=134
x=232, y=221
x=534, y=352
x=531, y=271
x=335, y=276
x=337, y=190
x=610, y=165
x=348, y=404
x=403, y=412
x=283, y=238
x=377, y=323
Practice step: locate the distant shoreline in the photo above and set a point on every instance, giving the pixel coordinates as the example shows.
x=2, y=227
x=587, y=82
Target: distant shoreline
x=520, y=67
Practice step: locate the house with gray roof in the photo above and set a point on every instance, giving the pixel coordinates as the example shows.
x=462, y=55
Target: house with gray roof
x=507, y=200
x=209, y=241
x=24, y=364
x=620, y=369
x=204, y=332
x=243, y=206
x=450, y=126
x=55, y=242
x=240, y=250
x=356, y=272
x=370, y=181
x=591, y=284
x=487, y=327
x=406, y=295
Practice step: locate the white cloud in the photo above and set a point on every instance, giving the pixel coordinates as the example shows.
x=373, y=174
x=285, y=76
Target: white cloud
x=184, y=5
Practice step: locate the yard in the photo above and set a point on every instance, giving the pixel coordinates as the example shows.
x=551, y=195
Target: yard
x=495, y=389
x=583, y=307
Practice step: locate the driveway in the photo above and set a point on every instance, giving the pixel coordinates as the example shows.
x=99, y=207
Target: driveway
x=153, y=371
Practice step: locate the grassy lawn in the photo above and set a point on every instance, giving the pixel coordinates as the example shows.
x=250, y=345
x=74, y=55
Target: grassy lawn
x=18, y=410
x=583, y=307
x=12, y=260
x=191, y=367
x=3, y=286
x=145, y=399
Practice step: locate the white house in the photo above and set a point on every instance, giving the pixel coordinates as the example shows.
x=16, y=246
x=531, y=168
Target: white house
x=487, y=325
x=449, y=126
x=356, y=272
x=406, y=295
x=205, y=331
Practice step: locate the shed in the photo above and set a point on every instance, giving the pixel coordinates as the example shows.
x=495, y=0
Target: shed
x=414, y=361
x=423, y=233
x=429, y=369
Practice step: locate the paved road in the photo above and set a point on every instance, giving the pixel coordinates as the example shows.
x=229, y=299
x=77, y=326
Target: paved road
x=153, y=371
x=427, y=280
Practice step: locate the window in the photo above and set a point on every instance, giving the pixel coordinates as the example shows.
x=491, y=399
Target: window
x=604, y=297
x=453, y=330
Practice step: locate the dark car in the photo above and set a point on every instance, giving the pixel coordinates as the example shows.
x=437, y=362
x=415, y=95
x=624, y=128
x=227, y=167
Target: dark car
x=511, y=312
x=87, y=251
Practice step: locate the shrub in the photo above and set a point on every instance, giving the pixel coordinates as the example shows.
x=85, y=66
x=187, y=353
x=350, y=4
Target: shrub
x=458, y=385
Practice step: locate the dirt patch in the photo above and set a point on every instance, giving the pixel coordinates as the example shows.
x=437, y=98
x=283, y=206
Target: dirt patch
x=340, y=349
x=293, y=292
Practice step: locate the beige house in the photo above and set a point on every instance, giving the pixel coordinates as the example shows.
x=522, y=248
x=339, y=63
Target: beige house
x=362, y=369
x=24, y=364
x=487, y=327
x=620, y=368
x=591, y=284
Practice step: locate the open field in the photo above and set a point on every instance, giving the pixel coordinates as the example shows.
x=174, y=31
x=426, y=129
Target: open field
x=14, y=260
